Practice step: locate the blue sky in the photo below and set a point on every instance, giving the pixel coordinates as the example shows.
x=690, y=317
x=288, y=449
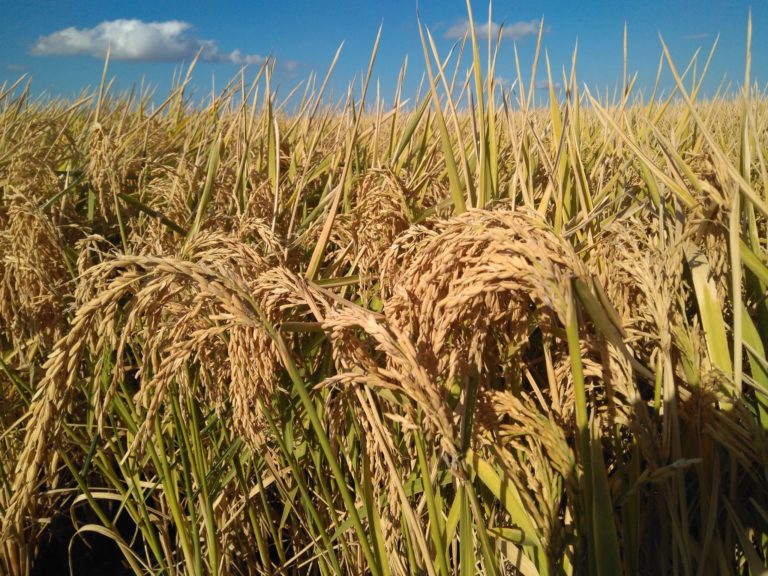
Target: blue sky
x=60, y=44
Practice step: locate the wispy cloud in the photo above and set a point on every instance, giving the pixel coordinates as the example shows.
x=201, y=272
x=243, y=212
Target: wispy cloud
x=514, y=31
x=699, y=36
x=138, y=41
x=544, y=85
x=15, y=67
x=291, y=65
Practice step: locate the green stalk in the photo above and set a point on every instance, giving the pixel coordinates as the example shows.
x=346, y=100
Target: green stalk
x=457, y=193
x=305, y=495
x=320, y=246
x=214, y=159
x=435, y=518
x=582, y=425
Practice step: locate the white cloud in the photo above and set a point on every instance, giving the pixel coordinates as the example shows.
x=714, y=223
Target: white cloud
x=544, y=85
x=138, y=41
x=291, y=65
x=514, y=31
x=239, y=58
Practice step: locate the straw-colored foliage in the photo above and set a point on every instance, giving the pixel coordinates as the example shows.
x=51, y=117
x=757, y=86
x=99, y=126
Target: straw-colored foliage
x=503, y=339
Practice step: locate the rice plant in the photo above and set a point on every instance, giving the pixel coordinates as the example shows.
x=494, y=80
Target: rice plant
x=469, y=335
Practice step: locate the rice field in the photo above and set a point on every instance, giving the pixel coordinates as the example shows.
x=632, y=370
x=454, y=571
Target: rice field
x=464, y=334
